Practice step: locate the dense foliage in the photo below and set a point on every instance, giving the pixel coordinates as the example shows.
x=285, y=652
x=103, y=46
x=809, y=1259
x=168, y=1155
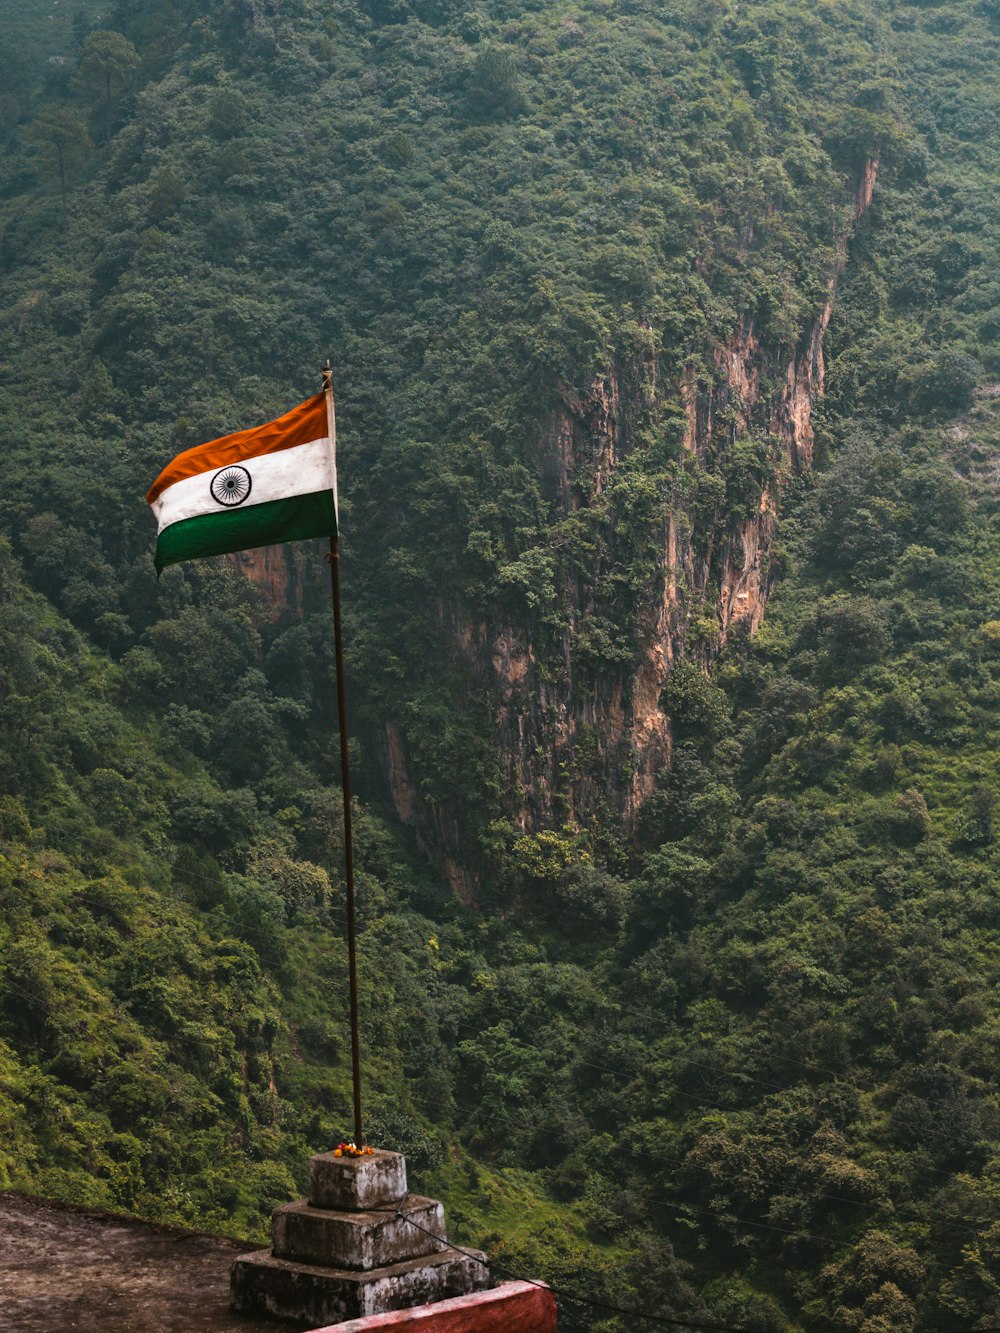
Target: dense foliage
x=743, y=1065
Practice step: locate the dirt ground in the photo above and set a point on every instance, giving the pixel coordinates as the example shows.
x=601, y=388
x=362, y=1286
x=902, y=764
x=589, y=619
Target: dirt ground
x=78, y=1269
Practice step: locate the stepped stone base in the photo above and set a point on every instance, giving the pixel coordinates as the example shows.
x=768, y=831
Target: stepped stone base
x=358, y=1246
x=357, y=1240
x=261, y=1283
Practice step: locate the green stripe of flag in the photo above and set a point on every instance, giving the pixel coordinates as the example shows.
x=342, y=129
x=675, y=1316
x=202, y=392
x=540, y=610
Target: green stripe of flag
x=289, y=520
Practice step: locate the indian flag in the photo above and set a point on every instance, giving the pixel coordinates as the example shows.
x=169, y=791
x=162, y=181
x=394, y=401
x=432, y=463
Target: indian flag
x=275, y=483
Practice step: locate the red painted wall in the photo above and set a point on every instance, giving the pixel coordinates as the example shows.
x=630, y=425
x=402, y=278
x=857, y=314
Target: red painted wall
x=513, y=1307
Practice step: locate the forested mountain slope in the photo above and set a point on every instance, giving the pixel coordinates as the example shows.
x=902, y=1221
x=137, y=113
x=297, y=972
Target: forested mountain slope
x=653, y=326
x=574, y=273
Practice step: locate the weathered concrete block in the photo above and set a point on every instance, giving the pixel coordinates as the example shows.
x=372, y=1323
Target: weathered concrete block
x=512, y=1307
x=357, y=1182
x=262, y=1284
x=357, y=1240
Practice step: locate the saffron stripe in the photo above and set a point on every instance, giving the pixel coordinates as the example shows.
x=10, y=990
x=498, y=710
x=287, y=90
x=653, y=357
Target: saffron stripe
x=289, y=520
x=299, y=426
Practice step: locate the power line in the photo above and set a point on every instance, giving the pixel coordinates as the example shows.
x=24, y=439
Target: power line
x=663, y=1203
x=699, y=1100
x=668, y=1321
x=872, y=1207
x=574, y=1298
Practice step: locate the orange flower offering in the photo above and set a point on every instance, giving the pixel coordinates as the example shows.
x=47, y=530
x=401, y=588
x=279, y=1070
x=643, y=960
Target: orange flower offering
x=352, y=1150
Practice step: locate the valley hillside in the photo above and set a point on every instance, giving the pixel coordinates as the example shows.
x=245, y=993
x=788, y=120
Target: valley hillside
x=666, y=343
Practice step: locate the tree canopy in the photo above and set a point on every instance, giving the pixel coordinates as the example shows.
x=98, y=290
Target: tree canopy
x=737, y=1062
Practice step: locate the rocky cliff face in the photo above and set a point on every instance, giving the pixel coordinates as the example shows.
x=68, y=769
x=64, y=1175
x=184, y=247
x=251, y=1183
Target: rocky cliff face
x=584, y=751
x=572, y=755
x=280, y=574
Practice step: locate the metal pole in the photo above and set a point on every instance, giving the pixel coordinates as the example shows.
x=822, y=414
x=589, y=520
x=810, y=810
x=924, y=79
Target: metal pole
x=345, y=778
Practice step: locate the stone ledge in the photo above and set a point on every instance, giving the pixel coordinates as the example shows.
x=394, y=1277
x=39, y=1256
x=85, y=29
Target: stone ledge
x=357, y=1240
x=263, y=1284
x=513, y=1307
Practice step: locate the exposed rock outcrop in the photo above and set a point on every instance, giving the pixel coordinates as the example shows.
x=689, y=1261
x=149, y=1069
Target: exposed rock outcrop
x=585, y=747
x=279, y=574
x=575, y=752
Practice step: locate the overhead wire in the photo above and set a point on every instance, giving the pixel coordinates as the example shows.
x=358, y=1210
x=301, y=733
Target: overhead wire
x=189, y=1040
x=658, y=1159
x=620, y=1006
x=607, y=1307
x=680, y=1207
x=574, y=1298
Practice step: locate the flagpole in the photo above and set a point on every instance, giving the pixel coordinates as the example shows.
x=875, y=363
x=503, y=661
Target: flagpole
x=345, y=771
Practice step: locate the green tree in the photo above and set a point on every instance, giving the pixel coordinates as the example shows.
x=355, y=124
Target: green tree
x=494, y=88
x=108, y=62
x=61, y=132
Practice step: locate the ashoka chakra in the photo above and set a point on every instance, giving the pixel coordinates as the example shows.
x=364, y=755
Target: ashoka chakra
x=231, y=486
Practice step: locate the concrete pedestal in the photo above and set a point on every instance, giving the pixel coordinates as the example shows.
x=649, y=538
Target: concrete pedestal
x=357, y=1240
x=357, y=1182
x=349, y=1250
x=262, y=1284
